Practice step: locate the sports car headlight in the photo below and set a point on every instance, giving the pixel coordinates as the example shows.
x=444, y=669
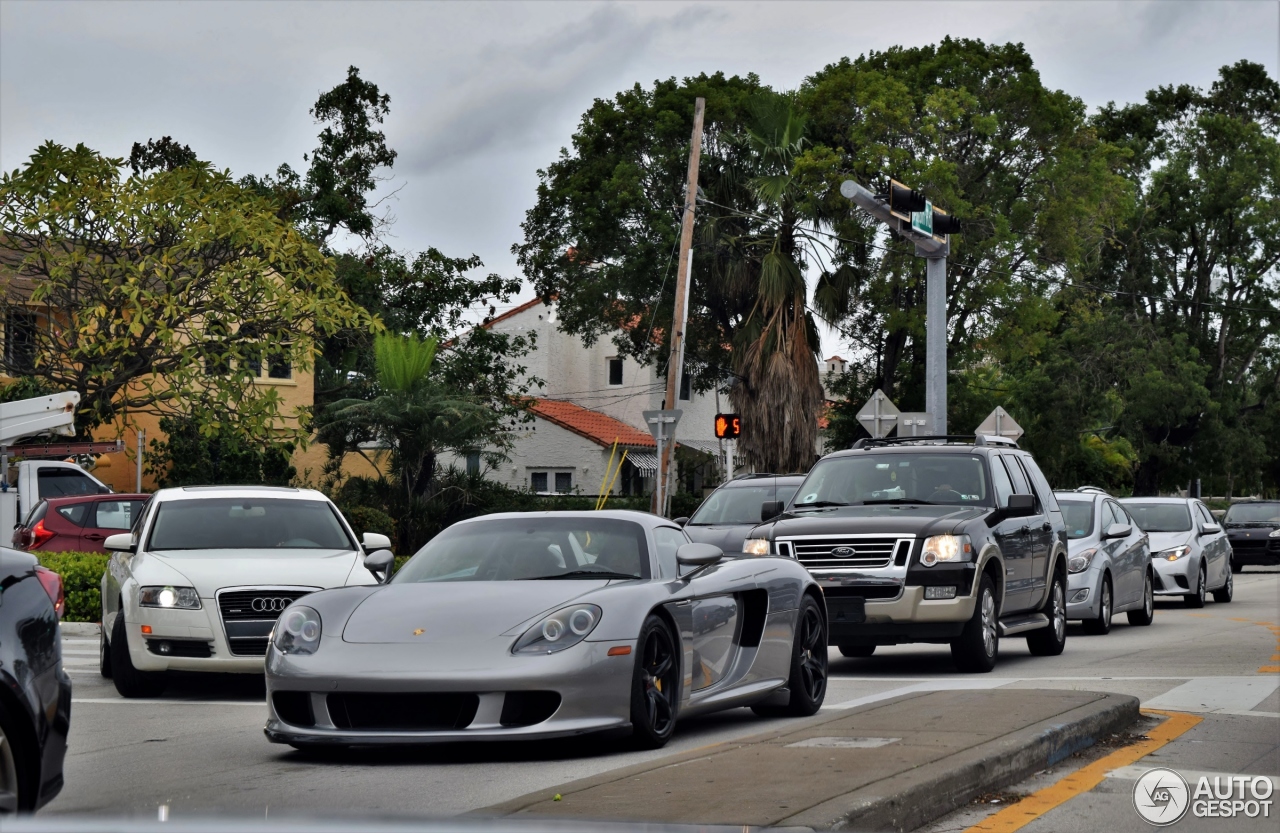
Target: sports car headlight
x=185, y=598
x=1275, y=533
x=756, y=546
x=297, y=631
x=952, y=548
x=1174, y=553
x=562, y=629
x=1080, y=562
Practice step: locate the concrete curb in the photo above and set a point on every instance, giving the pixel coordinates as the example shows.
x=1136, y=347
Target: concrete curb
x=910, y=800
x=79, y=628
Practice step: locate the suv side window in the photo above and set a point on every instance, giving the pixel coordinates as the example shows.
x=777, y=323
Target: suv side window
x=1042, y=484
x=668, y=540
x=1000, y=480
x=1020, y=484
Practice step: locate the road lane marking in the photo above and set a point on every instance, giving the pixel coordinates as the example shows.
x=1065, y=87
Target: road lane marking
x=1134, y=772
x=1211, y=694
x=1016, y=816
x=143, y=702
x=930, y=685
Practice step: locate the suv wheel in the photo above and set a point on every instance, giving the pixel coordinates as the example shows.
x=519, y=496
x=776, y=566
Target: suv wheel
x=857, y=650
x=978, y=645
x=1049, y=642
x=1101, y=625
x=1223, y=594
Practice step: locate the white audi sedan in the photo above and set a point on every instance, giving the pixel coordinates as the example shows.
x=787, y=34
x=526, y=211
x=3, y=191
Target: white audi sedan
x=198, y=583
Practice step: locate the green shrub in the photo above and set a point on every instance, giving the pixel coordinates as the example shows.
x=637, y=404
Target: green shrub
x=81, y=582
x=368, y=519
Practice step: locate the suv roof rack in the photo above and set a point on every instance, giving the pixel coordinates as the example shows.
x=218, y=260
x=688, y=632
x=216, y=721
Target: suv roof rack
x=931, y=439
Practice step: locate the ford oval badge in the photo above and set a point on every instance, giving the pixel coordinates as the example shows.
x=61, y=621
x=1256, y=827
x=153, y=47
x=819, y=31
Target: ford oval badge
x=842, y=552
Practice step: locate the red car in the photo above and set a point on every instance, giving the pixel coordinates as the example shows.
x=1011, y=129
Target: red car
x=80, y=523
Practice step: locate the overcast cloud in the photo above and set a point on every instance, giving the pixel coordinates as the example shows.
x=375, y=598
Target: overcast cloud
x=484, y=94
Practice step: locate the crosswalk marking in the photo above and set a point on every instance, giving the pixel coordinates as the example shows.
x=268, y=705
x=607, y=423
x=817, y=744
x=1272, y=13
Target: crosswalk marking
x=1215, y=694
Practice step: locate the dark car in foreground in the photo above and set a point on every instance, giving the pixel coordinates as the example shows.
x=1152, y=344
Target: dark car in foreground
x=949, y=540
x=35, y=691
x=77, y=524
x=1253, y=529
x=733, y=509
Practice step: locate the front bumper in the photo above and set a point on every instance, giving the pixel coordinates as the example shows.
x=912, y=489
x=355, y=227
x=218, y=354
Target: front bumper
x=1084, y=594
x=1262, y=552
x=908, y=618
x=594, y=691
x=187, y=629
x=1175, y=578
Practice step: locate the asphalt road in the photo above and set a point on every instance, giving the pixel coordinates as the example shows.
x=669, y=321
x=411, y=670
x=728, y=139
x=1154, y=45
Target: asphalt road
x=200, y=751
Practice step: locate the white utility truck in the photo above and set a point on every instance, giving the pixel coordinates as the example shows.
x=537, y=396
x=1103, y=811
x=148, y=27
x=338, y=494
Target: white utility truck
x=22, y=485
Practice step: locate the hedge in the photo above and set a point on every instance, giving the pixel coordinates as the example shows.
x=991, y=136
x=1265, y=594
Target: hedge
x=81, y=582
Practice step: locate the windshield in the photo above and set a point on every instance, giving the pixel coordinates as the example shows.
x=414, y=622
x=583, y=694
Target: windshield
x=908, y=478
x=514, y=549
x=1253, y=513
x=1078, y=515
x=739, y=504
x=247, y=524
x=1160, y=517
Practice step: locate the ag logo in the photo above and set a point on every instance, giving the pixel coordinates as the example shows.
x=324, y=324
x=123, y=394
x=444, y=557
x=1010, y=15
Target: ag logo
x=1161, y=797
x=842, y=552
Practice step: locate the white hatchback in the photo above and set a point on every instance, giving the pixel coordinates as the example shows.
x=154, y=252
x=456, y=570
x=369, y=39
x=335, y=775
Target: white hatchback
x=198, y=583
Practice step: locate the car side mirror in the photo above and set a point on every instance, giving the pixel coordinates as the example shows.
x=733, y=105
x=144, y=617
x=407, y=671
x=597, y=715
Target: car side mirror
x=681, y=521
x=698, y=555
x=1118, y=531
x=120, y=542
x=379, y=563
x=105, y=490
x=1210, y=529
x=770, y=509
x=1020, y=506
x=375, y=541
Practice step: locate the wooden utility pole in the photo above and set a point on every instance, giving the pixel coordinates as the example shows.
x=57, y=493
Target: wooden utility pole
x=675, y=361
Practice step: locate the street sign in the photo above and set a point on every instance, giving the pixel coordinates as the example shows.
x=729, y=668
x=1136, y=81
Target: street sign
x=915, y=424
x=879, y=415
x=662, y=424
x=728, y=426
x=999, y=424
x=922, y=221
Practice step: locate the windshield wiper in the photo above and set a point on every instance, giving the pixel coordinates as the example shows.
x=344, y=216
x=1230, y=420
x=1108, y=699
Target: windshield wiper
x=815, y=504
x=898, y=500
x=586, y=574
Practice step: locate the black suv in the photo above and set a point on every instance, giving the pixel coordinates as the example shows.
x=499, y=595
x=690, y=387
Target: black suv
x=1253, y=528
x=930, y=539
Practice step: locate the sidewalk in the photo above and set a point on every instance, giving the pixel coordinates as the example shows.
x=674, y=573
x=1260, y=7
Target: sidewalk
x=893, y=765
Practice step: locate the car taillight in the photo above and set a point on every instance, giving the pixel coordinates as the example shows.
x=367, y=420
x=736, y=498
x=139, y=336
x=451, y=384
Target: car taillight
x=52, y=584
x=39, y=535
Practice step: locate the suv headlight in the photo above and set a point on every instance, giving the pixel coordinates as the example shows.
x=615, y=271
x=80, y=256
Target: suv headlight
x=1174, y=553
x=1080, y=562
x=1275, y=533
x=756, y=546
x=297, y=631
x=183, y=598
x=562, y=629
x=950, y=548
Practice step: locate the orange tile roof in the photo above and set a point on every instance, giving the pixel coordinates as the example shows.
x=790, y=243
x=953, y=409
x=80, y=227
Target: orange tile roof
x=514, y=311
x=595, y=426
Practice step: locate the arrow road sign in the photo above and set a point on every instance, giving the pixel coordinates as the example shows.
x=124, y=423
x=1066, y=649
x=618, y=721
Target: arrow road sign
x=999, y=424
x=879, y=415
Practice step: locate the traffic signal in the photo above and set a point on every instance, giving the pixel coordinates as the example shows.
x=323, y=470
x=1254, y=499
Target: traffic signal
x=728, y=426
x=944, y=223
x=902, y=200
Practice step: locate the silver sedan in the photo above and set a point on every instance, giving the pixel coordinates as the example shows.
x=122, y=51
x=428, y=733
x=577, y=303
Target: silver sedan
x=1108, y=565
x=547, y=624
x=1189, y=550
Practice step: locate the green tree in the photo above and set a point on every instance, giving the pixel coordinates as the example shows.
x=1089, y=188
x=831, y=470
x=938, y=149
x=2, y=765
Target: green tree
x=190, y=456
x=158, y=292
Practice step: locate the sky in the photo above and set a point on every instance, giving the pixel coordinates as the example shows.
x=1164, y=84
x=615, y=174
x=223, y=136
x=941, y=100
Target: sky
x=484, y=94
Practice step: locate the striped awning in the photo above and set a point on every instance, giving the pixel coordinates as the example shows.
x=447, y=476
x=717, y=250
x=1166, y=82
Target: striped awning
x=705, y=446
x=644, y=461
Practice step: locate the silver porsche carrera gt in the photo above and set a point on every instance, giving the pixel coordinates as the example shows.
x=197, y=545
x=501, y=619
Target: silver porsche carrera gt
x=547, y=624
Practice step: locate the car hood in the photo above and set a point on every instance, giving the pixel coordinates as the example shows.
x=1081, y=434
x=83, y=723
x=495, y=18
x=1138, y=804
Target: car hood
x=728, y=537
x=211, y=570
x=1165, y=540
x=1075, y=545
x=452, y=611
x=1261, y=529
x=890, y=519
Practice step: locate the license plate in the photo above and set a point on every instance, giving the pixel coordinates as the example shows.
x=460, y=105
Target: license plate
x=852, y=611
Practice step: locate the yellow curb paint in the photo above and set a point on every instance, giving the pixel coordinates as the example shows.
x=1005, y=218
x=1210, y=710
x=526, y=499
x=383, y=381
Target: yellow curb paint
x=1238, y=619
x=1016, y=816
x=1269, y=669
x=1275, y=657
x=1202, y=615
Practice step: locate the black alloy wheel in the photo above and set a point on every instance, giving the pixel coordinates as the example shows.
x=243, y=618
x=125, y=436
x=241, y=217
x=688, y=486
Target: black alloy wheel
x=807, y=682
x=1101, y=625
x=1236, y=566
x=1197, y=598
x=1050, y=641
x=1224, y=594
x=1146, y=614
x=655, y=686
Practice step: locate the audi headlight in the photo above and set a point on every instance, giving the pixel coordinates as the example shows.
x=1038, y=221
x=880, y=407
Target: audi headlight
x=756, y=546
x=1080, y=562
x=1174, y=553
x=297, y=631
x=562, y=629
x=184, y=598
x=949, y=548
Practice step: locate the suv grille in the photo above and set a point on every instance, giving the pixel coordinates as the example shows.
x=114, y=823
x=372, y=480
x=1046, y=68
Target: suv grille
x=249, y=615
x=845, y=552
